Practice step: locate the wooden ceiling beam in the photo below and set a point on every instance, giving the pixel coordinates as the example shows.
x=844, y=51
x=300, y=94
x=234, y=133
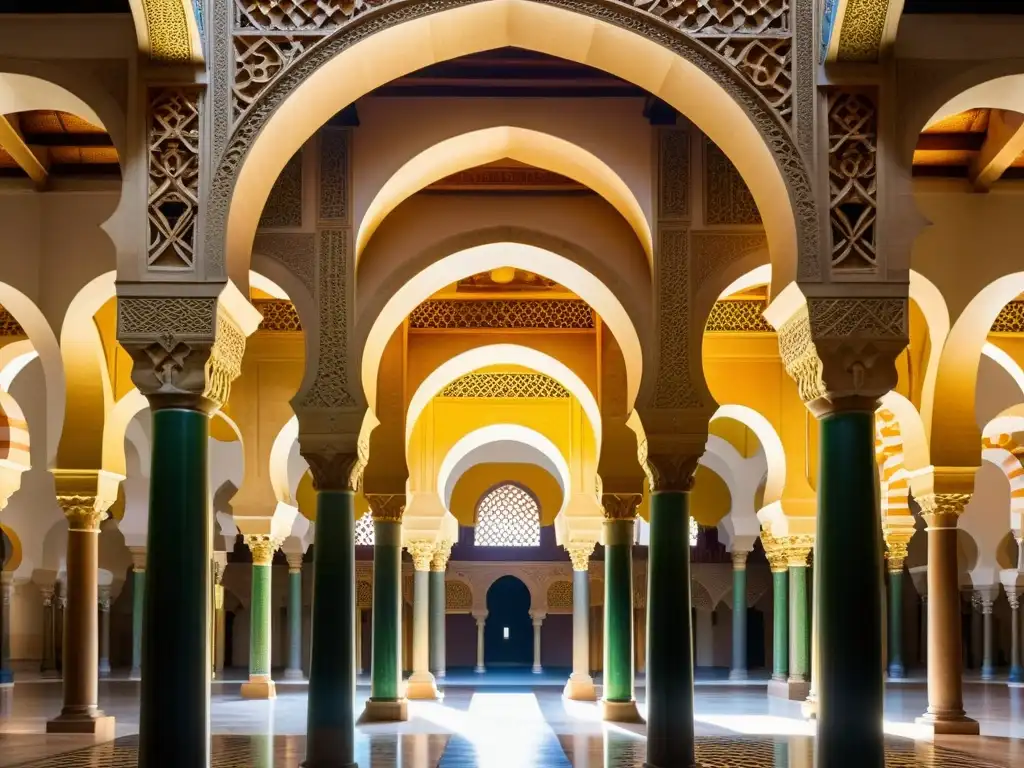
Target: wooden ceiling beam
x=36, y=166
x=1004, y=143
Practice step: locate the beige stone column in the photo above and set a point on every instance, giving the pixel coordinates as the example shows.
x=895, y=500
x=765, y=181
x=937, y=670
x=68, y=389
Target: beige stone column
x=580, y=686
x=421, y=683
x=481, y=621
x=48, y=664
x=359, y=640
x=538, y=622
x=945, y=713
x=219, y=619
x=80, y=713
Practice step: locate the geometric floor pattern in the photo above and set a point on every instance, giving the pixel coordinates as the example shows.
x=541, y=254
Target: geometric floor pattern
x=597, y=752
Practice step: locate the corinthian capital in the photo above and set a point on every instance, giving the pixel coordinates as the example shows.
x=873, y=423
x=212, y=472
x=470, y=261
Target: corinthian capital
x=442, y=553
x=422, y=553
x=336, y=445
x=262, y=547
x=842, y=351
x=186, y=350
x=85, y=496
x=580, y=553
x=620, y=506
x=387, y=508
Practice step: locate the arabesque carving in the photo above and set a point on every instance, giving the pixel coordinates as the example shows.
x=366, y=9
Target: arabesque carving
x=296, y=251
x=714, y=252
x=853, y=179
x=502, y=313
x=667, y=471
x=674, y=164
x=278, y=315
x=1009, y=320
x=738, y=316
x=727, y=198
x=83, y=513
x=258, y=60
x=686, y=23
x=297, y=14
x=262, y=547
x=335, y=471
x=173, y=202
x=515, y=385
x=284, y=206
x=387, y=508
x=768, y=64
x=580, y=554
x=421, y=551
x=458, y=596
x=167, y=28
x=9, y=326
x=560, y=595
x=674, y=389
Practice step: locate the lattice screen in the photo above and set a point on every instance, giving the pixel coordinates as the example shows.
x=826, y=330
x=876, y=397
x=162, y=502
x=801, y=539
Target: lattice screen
x=364, y=531
x=507, y=516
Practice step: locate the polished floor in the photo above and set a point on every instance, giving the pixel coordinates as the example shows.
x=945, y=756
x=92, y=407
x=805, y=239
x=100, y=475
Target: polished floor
x=510, y=721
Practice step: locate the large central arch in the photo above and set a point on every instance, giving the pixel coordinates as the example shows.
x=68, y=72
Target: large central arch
x=404, y=36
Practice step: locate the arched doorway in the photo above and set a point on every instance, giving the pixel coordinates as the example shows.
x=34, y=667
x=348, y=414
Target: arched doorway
x=508, y=633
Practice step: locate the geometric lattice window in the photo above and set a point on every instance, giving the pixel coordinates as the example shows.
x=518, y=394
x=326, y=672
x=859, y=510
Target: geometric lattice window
x=364, y=531
x=694, y=532
x=507, y=516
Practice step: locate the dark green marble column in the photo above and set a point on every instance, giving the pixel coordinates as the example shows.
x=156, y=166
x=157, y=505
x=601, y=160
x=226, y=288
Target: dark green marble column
x=895, y=567
x=800, y=658
x=386, y=702
x=6, y=595
x=618, y=703
x=294, y=669
x=437, y=612
x=669, y=635
x=780, y=615
x=330, y=722
x=848, y=591
x=138, y=601
x=174, y=722
x=739, y=616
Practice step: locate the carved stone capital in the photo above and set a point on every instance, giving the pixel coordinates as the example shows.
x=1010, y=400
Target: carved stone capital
x=842, y=351
x=46, y=592
x=620, y=506
x=186, y=351
x=262, y=547
x=335, y=445
x=85, y=496
x=387, y=508
x=739, y=560
x=294, y=561
x=775, y=551
x=84, y=513
x=218, y=571
x=138, y=559
x=943, y=510
x=442, y=553
x=668, y=471
x=580, y=554
x=105, y=599
x=798, y=550
x=896, y=552
x=422, y=553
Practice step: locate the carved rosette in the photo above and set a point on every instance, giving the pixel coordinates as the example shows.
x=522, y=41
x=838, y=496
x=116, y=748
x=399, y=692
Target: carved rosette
x=422, y=553
x=84, y=513
x=842, y=351
x=185, y=351
x=620, y=506
x=579, y=554
x=262, y=547
x=386, y=508
x=442, y=553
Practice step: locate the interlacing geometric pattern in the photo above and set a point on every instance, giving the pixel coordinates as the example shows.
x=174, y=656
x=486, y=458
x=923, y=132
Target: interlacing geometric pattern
x=507, y=516
x=173, y=203
x=738, y=315
x=9, y=326
x=852, y=175
x=519, y=385
x=560, y=595
x=458, y=596
x=278, y=315
x=502, y=313
x=364, y=531
x=1010, y=318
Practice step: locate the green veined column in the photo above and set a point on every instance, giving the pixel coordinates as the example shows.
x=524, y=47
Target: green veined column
x=138, y=601
x=438, y=609
x=259, y=685
x=798, y=550
x=330, y=721
x=669, y=631
x=896, y=556
x=739, y=616
x=617, y=703
x=294, y=668
x=174, y=724
x=780, y=620
x=848, y=592
x=386, y=703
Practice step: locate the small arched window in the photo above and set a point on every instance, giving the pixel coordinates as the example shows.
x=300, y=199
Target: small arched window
x=508, y=515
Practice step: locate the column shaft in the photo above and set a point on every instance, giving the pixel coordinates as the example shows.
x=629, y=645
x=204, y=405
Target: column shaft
x=259, y=685
x=48, y=666
x=580, y=686
x=294, y=670
x=537, y=666
x=330, y=722
x=780, y=635
x=739, y=617
x=945, y=711
x=481, y=623
x=359, y=641
x=421, y=683
x=896, y=668
x=800, y=657
x=6, y=598
x=386, y=701
x=988, y=671
x=848, y=594
x=618, y=620
x=176, y=610
x=670, y=640
x=138, y=601
x=1016, y=672
x=219, y=632
x=104, y=638
x=437, y=622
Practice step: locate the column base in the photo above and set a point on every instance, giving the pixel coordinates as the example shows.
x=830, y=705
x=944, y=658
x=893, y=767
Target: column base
x=440, y=674
x=293, y=674
x=620, y=711
x=6, y=677
x=793, y=690
x=421, y=686
x=988, y=673
x=897, y=672
x=479, y=670
x=259, y=687
x=949, y=724
x=104, y=668
x=135, y=674
x=385, y=711
x=580, y=688
x=1016, y=674
x=809, y=708
x=91, y=724
x=738, y=674
x=537, y=669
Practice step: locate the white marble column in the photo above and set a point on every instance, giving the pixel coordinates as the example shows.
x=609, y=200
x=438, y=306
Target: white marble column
x=538, y=621
x=580, y=686
x=104, y=638
x=421, y=684
x=481, y=620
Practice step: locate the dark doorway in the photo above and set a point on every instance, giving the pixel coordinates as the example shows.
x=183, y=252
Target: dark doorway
x=508, y=633
x=755, y=639
x=229, y=639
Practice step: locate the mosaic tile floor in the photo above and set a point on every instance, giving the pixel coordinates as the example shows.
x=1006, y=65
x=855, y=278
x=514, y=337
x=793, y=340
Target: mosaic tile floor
x=512, y=726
